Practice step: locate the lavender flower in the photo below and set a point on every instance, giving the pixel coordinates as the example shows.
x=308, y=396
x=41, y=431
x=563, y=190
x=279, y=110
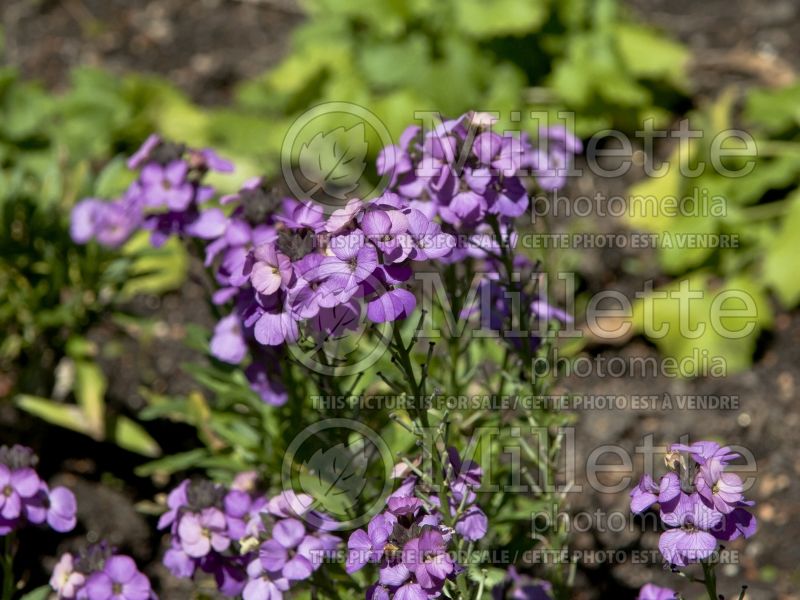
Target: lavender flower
x=201, y=532
x=24, y=498
x=290, y=551
x=252, y=545
x=409, y=540
x=65, y=580
x=119, y=580
x=167, y=186
x=426, y=557
x=228, y=343
x=653, y=592
x=709, y=507
x=100, y=574
x=689, y=541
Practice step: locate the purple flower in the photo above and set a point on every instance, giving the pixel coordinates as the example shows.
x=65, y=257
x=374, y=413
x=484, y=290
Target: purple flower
x=119, y=580
x=352, y=261
x=364, y=547
x=142, y=155
x=227, y=343
x=237, y=505
x=466, y=476
x=653, y=592
x=209, y=224
x=57, y=506
x=644, y=495
x=403, y=505
x=65, y=580
x=343, y=218
x=208, y=159
x=176, y=500
x=263, y=584
x=735, y=524
x=386, y=229
x=550, y=162
x=16, y=486
x=200, y=533
x=291, y=551
x=723, y=494
x=167, y=185
x=647, y=492
x=393, y=305
x=690, y=540
x=270, y=269
x=428, y=240
x=426, y=557
x=110, y=223
x=266, y=383
x=229, y=573
x=473, y=524
x=273, y=320
x=178, y=562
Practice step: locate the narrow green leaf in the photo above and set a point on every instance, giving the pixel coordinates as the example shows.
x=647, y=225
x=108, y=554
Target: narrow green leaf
x=63, y=415
x=172, y=464
x=90, y=390
x=130, y=435
x=40, y=593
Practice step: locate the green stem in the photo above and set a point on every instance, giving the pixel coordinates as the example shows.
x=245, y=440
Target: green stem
x=8, y=568
x=710, y=580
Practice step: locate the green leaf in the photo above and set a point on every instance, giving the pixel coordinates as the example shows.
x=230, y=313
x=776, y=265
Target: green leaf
x=131, y=436
x=396, y=64
x=172, y=463
x=90, y=389
x=776, y=174
x=483, y=19
x=693, y=331
x=113, y=179
x=62, y=415
x=776, y=111
x=649, y=55
x=154, y=270
x=780, y=262
x=490, y=576
x=40, y=593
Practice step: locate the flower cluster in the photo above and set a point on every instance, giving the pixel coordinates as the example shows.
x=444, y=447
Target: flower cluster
x=286, y=268
x=252, y=545
x=463, y=172
x=410, y=540
x=699, y=501
x=25, y=498
x=316, y=270
x=165, y=198
x=100, y=574
x=515, y=314
x=654, y=592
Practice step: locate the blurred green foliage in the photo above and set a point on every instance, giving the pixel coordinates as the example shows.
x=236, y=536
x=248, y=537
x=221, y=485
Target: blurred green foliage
x=453, y=56
x=52, y=149
x=757, y=212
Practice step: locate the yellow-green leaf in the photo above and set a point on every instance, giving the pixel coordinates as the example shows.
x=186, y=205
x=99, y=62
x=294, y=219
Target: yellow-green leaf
x=130, y=435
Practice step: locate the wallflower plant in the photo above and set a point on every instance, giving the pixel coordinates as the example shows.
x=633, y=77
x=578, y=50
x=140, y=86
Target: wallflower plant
x=292, y=282
x=700, y=504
